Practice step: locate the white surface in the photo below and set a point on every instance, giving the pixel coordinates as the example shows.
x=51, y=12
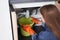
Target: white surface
x=5, y=24
x=35, y=4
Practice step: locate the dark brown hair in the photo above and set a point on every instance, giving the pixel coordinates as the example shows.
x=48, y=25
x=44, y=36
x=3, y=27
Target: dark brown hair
x=51, y=16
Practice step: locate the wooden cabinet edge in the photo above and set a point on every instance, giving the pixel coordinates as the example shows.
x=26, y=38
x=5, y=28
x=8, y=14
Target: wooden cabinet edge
x=57, y=5
x=14, y=24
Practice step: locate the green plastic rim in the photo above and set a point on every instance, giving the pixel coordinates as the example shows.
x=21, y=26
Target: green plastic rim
x=24, y=33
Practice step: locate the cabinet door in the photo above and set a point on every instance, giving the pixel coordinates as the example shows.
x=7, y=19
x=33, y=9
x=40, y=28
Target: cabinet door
x=5, y=22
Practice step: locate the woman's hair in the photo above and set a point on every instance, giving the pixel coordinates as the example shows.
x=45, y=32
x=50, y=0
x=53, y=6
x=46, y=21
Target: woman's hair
x=51, y=16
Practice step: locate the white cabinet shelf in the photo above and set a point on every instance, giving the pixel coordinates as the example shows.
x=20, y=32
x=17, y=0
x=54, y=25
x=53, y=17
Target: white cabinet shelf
x=34, y=4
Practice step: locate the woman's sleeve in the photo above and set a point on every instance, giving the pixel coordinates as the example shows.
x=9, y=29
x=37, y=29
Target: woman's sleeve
x=46, y=36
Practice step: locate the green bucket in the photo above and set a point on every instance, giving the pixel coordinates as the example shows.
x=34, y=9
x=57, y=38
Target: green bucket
x=25, y=21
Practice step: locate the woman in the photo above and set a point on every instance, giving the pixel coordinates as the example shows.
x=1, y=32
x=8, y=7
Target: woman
x=51, y=16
